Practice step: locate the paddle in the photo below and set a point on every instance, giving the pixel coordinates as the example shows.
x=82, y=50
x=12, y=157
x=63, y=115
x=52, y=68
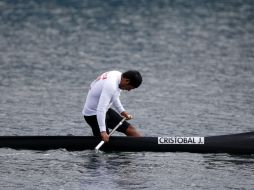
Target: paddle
x=102, y=142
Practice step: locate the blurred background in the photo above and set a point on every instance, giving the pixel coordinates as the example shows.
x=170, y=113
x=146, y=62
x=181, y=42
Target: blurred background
x=196, y=58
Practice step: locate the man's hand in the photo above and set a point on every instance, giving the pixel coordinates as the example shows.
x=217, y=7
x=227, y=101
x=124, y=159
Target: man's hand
x=126, y=115
x=104, y=136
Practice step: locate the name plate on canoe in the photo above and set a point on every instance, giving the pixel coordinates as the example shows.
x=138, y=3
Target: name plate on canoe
x=181, y=140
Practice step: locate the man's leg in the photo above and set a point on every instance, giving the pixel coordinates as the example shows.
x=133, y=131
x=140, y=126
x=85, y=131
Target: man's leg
x=113, y=118
x=132, y=131
x=93, y=123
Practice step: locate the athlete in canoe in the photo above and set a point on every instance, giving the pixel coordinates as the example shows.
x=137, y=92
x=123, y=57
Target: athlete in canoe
x=104, y=92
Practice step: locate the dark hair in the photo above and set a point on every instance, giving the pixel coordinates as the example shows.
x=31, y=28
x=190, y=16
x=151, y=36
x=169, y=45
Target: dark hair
x=134, y=77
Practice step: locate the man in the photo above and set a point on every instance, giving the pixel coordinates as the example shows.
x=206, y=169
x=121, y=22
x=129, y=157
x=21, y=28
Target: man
x=105, y=91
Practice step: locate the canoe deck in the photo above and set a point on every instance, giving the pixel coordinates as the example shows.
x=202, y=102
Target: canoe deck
x=242, y=143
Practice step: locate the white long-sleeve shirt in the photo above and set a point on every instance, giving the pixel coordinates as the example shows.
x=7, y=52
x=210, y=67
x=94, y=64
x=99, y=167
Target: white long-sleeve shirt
x=104, y=92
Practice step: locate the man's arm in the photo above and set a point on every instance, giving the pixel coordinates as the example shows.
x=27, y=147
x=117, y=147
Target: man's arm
x=104, y=101
x=118, y=105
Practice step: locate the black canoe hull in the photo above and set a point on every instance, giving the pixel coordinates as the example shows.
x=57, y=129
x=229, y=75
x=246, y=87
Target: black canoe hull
x=242, y=143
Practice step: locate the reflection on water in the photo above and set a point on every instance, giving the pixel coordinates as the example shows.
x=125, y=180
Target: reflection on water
x=115, y=170
x=144, y=170
x=118, y=168
x=233, y=161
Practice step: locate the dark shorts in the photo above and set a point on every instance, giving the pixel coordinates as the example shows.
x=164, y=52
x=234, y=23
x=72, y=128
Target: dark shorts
x=112, y=120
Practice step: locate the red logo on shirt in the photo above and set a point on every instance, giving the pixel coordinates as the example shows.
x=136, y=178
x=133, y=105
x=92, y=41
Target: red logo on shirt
x=102, y=77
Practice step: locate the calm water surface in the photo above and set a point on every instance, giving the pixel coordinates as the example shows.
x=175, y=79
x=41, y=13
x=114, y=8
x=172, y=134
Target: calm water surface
x=197, y=61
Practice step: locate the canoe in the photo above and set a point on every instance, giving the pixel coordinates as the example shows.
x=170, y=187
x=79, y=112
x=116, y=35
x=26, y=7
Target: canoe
x=242, y=143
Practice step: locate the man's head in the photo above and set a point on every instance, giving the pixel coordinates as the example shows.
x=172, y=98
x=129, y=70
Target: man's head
x=130, y=79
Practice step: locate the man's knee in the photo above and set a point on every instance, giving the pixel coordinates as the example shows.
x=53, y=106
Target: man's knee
x=132, y=131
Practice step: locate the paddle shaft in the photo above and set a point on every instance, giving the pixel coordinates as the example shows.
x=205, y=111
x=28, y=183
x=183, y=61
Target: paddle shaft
x=102, y=142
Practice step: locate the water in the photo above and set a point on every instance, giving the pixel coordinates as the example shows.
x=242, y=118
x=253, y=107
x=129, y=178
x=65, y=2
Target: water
x=196, y=58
